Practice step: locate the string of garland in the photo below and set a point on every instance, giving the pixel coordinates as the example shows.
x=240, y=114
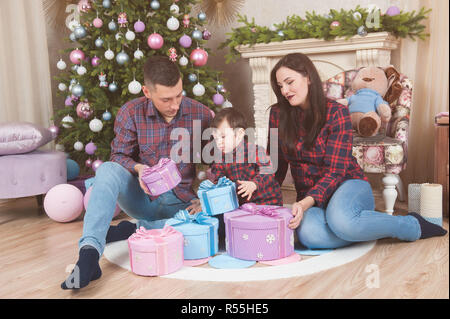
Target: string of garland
x=343, y=23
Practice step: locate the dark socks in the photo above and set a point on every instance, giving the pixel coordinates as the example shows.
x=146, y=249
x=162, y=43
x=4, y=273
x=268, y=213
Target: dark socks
x=428, y=229
x=120, y=232
x=86, y=269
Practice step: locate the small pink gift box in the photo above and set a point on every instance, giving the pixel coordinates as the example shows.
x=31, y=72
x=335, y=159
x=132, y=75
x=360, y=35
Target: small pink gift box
x=162, y=177
x=156, y=252
x=259, y=232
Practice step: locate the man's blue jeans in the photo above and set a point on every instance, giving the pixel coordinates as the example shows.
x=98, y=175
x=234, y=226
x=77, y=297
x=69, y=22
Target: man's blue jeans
x=115, y=184
x=350, y=217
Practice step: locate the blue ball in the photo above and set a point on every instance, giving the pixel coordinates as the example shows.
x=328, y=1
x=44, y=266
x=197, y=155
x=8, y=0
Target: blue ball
x=192, y=77
x=107, y=116
x=202, y=16
x=106, y=4
x=155, y=5
x=112, y=26
x=99, y=43
x=73, y=169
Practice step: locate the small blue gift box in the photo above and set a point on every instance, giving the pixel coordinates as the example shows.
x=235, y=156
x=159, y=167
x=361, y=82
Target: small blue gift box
x=218, y=198
x=200, y=233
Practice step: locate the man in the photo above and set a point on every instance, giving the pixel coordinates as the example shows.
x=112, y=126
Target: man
x=143, y=129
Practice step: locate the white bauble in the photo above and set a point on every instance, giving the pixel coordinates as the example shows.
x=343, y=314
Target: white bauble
x=198, y=89
x=174, y=9
x=62, y=86
x=67, y=120
x=173, y=24
x=78, y=146
x=109, y=54
x=81, y=70
x=201, y=175
x=183, y=61
x=138, y=54
x=134, y=87
x=118, y=36
x=95, y=125
x=130, y=36
x=227, y=104
x=61, y=65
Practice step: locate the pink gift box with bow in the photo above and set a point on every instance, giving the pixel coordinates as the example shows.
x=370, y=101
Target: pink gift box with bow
x=156, y=252
x=162, y=177
x=259, y=232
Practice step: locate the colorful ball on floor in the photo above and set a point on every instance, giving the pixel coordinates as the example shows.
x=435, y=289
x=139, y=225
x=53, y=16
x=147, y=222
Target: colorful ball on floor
x=63, y=203
x=73, y=169
x=86, y=201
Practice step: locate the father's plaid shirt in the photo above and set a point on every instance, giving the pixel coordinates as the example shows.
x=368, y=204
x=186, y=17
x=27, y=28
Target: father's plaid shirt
x=143, y=137
x=319, y=172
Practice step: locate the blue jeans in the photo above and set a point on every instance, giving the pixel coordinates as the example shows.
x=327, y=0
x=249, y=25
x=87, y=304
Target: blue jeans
x=115, y=184
x=350, y=217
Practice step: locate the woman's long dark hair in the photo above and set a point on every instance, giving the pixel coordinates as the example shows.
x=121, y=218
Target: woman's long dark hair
x=315, y=115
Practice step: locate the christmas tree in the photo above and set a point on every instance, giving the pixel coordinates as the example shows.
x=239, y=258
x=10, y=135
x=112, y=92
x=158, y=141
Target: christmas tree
x=112, y=40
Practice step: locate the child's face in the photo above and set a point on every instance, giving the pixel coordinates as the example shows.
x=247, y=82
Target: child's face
x=226, y=138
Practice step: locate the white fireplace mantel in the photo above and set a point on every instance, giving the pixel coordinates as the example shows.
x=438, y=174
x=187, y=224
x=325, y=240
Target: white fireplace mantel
x=329, y=57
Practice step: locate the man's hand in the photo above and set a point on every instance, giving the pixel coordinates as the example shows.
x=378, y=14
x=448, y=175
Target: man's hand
x=196, y=207
x=246, y=188
x=139, y=168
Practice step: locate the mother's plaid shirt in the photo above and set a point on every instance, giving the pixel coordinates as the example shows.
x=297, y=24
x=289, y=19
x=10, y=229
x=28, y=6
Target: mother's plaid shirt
x=143, y=137
x=319, y=172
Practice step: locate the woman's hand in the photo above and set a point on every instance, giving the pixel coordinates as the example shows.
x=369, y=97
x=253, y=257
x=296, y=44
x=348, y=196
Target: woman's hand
x=246, y=189
x=297, y=212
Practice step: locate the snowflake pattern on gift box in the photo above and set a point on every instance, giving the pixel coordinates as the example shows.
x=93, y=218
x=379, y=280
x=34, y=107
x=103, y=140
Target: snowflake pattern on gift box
x=260, y=256
x=226, y=244
x=245, y=237
x=292, y=240
x=138, y=258
x=186, y=242
x=270, y=238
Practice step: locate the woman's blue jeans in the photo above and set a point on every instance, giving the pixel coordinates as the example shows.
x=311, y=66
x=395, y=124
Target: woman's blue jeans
x=350, y=217
x=115, y=184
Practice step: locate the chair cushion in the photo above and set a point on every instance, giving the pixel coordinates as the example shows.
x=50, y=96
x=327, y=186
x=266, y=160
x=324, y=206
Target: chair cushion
x=22, y=137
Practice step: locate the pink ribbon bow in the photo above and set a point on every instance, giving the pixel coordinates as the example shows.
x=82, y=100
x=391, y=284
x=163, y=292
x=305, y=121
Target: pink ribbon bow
x=155, y=234
x=156, y=168
x=260, y=210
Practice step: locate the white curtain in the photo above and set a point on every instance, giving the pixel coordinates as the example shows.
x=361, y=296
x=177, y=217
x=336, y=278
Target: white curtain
x=25, y=90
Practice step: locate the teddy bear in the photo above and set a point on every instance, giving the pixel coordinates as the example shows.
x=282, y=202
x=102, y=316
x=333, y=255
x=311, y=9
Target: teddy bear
x=368, y=106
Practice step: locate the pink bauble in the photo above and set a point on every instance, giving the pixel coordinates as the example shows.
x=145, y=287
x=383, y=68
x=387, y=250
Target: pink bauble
x=95, y=61
x=76, y=56
x=90, y=148
x=84, y=110
x=393, y=11
x=84, y=6
x=87, y=196
x=54, y=129
x=88, y=163
x=335, y=24
x=139, y=26
x=218, y=99
x=63, y=203
x=155, y=41
x=68, y=101
x=96, y=164
x=98, y=23
x=199, y=57
x=185, y=41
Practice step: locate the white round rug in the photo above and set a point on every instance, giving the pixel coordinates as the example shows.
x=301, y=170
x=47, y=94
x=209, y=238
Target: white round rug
x=117, y=253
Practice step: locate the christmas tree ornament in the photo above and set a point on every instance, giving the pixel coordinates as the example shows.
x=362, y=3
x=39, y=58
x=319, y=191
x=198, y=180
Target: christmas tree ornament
x=130, y=36
x=174, y=9
x=280, y=33
x=357, y=16
x=139, y=26
x=334, y=25
x=109, y=54
x=155, y=41
x=122, y=19
x=80, y=32
x=183, y=93
x=227, y=104
x=155, y=5
x=95, y=125
x=84, y=6
x=118, y=36
x=75, y=67
x=122, y=58
x=96, y=164
x=76, y=56
x=138, y=54
x=61, y=65
x=95, y=61
x=62, y=87
x=54, y=130
x=273, y=28
x=106, y=116
x=106, y=4
x=113, y=87
x=84, y=110
x=183, y=61
x=201, y=16
x=72, y=37
x=173, y=24
x=206, y=35
x=199, y=57
x=362, y=31
x=90, y=148
x=112, y=26
x=81, y=70
x=67, y=121
x=68, y=101
x=185, y=41
x=78, y=146
x=198, y=89
x=218, y=99
x=98, y=23
x=73, y=24
x=77, y=90
x=223, y=90
x=253, y=30
x=134, y=87
x=88, y=163
x=197, y=35
x=192, y=77
x=98, y=42
x=102, y=79
x=186, y=20
x=72, y=83
x=219, y=87
x=393, y=11
x=173, y=54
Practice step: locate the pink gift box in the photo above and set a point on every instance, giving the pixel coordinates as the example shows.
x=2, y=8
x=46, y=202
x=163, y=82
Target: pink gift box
x=162, y=177
x=259, y=232
x=156, y=252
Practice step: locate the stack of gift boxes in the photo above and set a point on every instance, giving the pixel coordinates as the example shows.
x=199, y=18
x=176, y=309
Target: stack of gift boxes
x=253, y=232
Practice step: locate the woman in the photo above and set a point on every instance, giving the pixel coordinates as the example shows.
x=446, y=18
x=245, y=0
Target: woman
x=335, y=204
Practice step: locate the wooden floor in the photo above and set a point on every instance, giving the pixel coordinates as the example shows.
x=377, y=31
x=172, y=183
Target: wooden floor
x=36, y=251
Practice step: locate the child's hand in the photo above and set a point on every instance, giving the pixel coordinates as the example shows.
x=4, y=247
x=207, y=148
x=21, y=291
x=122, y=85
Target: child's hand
x=246, y=189
x=196, y=207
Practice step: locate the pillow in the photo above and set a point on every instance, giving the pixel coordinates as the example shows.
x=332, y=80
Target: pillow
x=22, y=137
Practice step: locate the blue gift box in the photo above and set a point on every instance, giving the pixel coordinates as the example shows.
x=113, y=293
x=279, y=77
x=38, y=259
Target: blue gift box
x=218, y=198
x=200, y=233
